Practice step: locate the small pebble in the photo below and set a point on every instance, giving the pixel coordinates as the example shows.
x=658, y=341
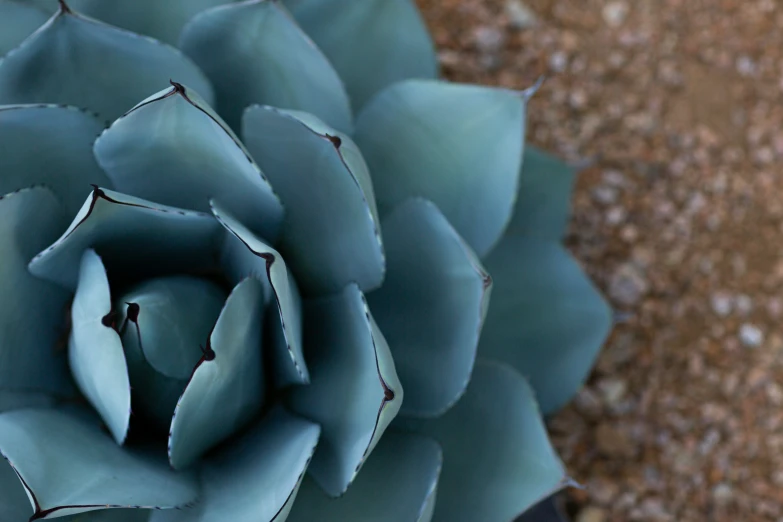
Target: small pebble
x=558, y=61
x=612, y=390
x=750, y=335
x=614, y=13
x=592, y=514
x=722, y=493
x=519, y=15
x=488, y=39
x=721, y=304
x=605, y=195
x=627, y=285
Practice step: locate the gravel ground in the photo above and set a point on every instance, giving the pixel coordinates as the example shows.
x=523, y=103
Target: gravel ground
x=678, y=220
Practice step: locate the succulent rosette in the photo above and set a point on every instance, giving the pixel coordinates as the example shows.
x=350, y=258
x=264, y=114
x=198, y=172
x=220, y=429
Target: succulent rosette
x=248, y=251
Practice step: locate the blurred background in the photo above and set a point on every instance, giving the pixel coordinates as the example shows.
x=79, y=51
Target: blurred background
x=679, y=220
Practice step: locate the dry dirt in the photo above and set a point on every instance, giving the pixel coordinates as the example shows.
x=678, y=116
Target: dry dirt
x=679, y=221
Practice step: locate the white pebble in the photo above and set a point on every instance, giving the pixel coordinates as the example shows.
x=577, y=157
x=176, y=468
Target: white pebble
x=750, y=335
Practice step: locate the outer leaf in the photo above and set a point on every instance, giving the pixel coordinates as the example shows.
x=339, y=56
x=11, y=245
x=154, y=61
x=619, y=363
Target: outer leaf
x=50, y=145
x=397, y=484
x=173, y=139
x=95, y=350
x=330, y=234
x=372, y=43
x=544, y=201
x=254, y=52
x=134, y=237
x=227, y=387
x=457, y=145
x=431, y=307
x=170, y=322
x=256, y=478
x=33, y=357
x=354, y=393
x=244, y=254
x=84, y=469
x=498, y=461
x=146, y=16
x=546, y=319
x=79, y=61
x=17, y=22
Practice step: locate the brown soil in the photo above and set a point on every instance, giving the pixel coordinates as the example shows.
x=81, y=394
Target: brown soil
x=679, y=221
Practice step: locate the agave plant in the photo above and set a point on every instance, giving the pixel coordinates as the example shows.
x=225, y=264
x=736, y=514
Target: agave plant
x=246, y=278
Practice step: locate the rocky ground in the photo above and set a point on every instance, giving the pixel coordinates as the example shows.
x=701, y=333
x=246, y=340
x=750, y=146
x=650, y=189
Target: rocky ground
x=680, y=221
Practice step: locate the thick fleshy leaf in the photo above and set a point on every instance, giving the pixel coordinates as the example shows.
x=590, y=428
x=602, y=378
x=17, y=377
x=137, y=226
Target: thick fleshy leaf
x=110, y=515
x=13, y=499
x=431, y=307
x=254, y=52
x=330, y=235
x=498, y=461
x=17, y=400
x=257, y=477
x=74, y=60
x=354, y=393
x=173, y=140
x=146, y=16
x=164, y=324
x=372, y=43
x=457, y=145
x=133, y=237
x=227, y=387
x=397, y=484
x=34, y=312
x=50, y=145
x=543, y=204
x=95, y=349
x=547, y=319
x=18, y=20
x=84, y=469
x=243, y=254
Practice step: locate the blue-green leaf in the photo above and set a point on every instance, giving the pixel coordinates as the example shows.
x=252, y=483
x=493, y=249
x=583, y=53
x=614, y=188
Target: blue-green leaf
x=354, y=391
x=134, y=237
x=254, y=52
x=372, y=43
x=243, y=254
x=459, y=146
x=543, y=204
x=165, y=323
x=50, y=145
x=498, y=461
x=34, y=312
x=431, y=307
x=17, y=400
x=547, y=319
x=397, y=484
x=257, y=477
x=173, y=140
x=330, y=234
x=227, y=387
x=111, y=515
x=74, y=60
x=84, y=469
x=147, y=17
x=18, y=21
x=95, y=349
x=16, y=505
